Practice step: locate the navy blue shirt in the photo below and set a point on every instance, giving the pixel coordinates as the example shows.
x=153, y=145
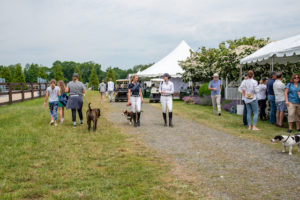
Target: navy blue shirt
x=135, y=89
x=270, y=87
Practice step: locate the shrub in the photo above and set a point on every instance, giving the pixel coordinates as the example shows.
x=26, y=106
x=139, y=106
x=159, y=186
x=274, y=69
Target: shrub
x=203, y=90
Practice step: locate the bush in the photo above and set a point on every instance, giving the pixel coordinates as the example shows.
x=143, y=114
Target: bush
x=203, y=90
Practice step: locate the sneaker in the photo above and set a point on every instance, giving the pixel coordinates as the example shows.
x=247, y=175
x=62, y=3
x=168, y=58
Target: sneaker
x=74, y=124
x=219, y=114
x=81, y=122
x=52, y=122
x=55, y=124
x=62, y=120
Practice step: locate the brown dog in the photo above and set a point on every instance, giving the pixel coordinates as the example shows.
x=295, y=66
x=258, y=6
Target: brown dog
x=128, y=115
x=92, y=115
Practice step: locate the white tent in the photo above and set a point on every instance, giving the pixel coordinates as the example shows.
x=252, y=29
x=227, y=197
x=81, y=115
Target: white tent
x=169, y=64
x=282, y=51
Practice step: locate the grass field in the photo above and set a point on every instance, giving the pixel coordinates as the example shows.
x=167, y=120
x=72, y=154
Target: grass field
x=229, y=123
x=39, y=161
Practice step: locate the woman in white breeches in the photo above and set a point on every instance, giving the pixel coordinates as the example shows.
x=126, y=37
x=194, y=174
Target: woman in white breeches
x=166, y=90
x=135, y=99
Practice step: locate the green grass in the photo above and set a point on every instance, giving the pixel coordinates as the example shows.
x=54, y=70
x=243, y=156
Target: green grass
x=39, y=161
x=229, y=123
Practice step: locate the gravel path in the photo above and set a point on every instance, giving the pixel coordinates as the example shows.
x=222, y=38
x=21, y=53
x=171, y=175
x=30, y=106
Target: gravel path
x=232, y=167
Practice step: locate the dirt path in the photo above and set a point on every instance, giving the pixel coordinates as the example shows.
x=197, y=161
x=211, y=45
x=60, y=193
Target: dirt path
x=232, y=167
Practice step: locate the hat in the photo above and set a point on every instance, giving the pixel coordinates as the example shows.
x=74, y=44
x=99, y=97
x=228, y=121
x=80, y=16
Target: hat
x=75, y=75
x=216, y=75
x=246, y=74
x=166, y=75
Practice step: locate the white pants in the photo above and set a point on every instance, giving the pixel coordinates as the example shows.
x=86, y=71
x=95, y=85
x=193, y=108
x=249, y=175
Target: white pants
x=166, y=101
x=135, y=104
x=110, y=95
x=216, y=102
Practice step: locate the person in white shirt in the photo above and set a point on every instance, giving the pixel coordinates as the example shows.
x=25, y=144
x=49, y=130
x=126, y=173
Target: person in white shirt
x=110, y=89
x=279, y=89
x=166, y=89
x=245, y=121
x=249, y=89
x=262, y=98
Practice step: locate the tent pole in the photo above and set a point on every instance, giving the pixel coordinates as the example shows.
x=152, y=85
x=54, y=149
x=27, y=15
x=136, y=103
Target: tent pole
x=272, y=66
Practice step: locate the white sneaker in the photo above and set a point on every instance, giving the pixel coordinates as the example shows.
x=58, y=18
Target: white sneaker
x=52, y=122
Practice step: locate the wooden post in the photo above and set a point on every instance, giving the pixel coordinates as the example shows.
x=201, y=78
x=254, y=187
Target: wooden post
x=9, y=93
x=22, y=88
x=32, y=90
x=40, y=89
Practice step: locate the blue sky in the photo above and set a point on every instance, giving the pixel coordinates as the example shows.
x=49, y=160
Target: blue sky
x=126, y=33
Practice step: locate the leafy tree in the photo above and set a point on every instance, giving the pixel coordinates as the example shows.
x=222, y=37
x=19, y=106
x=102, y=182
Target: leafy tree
x=42, y=74
x=58, y=73
x=32, y=73
x=77, y=70
x=93, y=81
x=6, y=74
x=110, y=73
x=19, y=75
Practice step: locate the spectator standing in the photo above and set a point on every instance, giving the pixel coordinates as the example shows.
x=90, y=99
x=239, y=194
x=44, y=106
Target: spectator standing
x=215, y=86
x=249, y=90
x=110, y=89
x=292, y=99
x=245, y=121
x=271, y=97
x=279, y=88
x=102, y=90
x=262, y=98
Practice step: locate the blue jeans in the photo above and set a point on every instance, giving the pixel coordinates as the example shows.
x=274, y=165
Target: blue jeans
x=271, y=99
x=252, y=107
x=53, y=109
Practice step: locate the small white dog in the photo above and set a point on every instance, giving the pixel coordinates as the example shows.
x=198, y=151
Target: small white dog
x=288, y=141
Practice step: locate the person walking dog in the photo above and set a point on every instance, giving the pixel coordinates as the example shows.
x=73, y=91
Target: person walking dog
x=135, y=99
x=271, y=97
x=215, y=86
x=166, y=89
x=75, y=89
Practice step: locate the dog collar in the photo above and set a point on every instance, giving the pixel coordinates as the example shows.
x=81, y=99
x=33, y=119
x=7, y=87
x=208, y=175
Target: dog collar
x=287, y=138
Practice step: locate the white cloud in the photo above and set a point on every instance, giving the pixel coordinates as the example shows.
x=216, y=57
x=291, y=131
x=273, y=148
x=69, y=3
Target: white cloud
x=124, y=33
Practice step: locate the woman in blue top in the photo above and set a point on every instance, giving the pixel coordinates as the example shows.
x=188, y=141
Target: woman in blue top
x=135, y=98
x=292, y=100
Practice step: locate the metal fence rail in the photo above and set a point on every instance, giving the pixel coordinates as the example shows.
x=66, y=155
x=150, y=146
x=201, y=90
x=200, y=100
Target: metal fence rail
x=16, y=92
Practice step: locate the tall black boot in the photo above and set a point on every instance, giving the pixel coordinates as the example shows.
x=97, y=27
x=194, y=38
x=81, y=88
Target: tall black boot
x=165, y=118
x=134, y=119
x=170, y=119
x=138, y=119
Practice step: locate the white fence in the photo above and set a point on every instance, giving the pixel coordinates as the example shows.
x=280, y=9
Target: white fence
x=232, y=93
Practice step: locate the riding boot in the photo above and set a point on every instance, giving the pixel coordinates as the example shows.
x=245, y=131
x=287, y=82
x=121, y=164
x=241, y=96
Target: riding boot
x=165, y=118
x=138, y=119
x=134, y=119
x=170, y=119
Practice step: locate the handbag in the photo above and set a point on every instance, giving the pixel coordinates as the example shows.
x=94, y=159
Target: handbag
x=249, y=96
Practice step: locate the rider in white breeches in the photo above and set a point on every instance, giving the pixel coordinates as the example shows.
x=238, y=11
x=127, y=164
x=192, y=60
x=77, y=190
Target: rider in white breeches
x=166, y=90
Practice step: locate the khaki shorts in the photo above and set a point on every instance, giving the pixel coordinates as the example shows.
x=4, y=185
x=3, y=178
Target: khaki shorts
x=294, y=112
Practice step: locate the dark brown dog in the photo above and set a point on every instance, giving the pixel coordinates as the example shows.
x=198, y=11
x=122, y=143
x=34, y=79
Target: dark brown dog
x=128, y=115
x=92, y=115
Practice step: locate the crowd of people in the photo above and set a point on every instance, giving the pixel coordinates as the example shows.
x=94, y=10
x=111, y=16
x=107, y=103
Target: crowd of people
x=281, y=97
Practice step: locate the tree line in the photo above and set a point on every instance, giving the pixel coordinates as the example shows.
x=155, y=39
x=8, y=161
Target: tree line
x=89, y=72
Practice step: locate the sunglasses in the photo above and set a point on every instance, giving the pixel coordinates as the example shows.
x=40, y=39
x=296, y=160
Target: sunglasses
x=297, y=77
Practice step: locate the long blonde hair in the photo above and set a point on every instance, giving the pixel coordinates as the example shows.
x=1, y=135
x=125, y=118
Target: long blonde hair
x=53, y=83
x=132, y=77
x=61, y=85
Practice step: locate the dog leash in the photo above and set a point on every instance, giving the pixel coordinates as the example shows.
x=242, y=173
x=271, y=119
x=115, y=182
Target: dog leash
x=287, y=138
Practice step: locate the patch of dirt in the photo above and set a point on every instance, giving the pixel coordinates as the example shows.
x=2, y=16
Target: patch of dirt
x=229, y=166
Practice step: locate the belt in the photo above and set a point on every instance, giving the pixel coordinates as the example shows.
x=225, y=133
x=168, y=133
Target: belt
x=74, y=95
x=166, y=95
x=135, y=95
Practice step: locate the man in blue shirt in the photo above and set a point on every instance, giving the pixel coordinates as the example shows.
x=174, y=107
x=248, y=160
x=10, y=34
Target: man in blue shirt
x=215, y=86
x=271, y=97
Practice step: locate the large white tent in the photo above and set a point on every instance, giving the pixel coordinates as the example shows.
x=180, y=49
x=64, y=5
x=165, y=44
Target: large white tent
x=282, y=51
x=170, y=65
